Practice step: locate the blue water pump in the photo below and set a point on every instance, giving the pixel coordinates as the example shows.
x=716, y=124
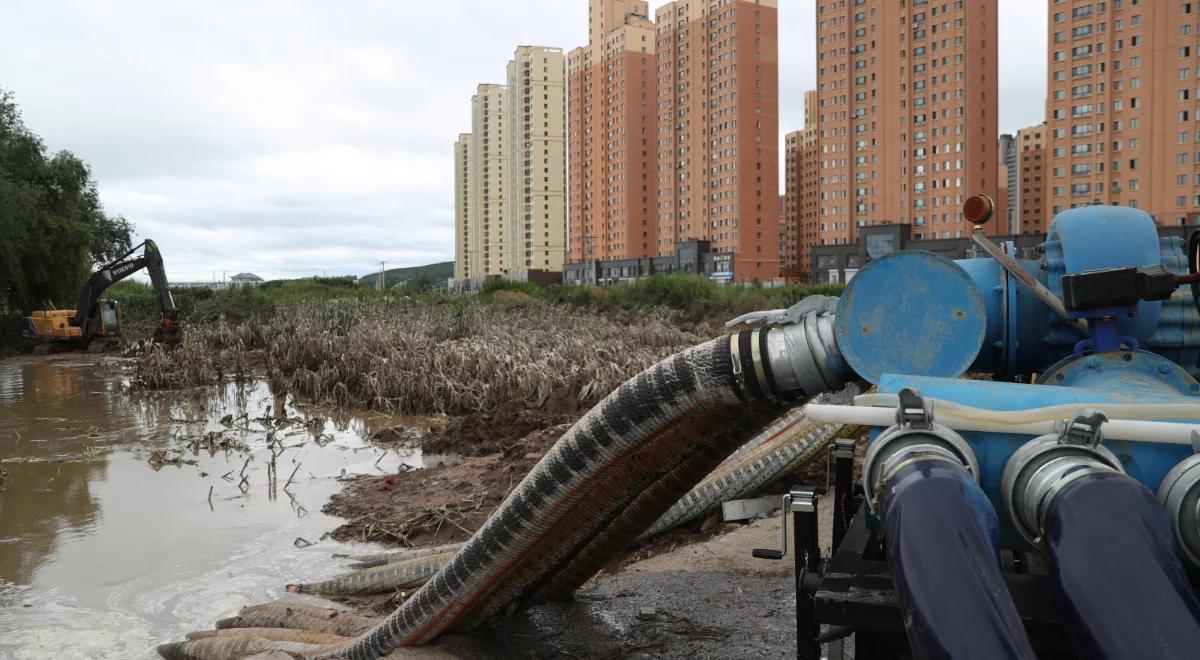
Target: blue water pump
x=1032, y=475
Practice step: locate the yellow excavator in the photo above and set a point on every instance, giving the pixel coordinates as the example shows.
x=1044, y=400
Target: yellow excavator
x=95, y=318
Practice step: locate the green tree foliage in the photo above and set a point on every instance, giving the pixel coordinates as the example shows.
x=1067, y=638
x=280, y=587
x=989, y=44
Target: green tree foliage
x=53, y=226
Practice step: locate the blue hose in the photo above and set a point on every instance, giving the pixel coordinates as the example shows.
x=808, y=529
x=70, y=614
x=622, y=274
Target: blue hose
x=941, y=543
x=1118, y=581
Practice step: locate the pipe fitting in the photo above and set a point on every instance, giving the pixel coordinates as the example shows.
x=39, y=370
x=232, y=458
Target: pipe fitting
x=1180, y=494
x=914, y=437
x=805, y=358
x=1042, y=467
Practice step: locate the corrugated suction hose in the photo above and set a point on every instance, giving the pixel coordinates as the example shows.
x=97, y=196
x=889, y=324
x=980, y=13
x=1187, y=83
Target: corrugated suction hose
x=657, y=435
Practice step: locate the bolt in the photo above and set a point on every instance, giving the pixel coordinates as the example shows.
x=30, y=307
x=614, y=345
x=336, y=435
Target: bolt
x=1093, y=363
x=1164, y=369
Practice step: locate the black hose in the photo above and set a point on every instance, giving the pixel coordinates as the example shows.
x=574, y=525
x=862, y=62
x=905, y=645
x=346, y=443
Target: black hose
x=1117, y=578
x=643, y=508
x=941, y=543
x=625, y=444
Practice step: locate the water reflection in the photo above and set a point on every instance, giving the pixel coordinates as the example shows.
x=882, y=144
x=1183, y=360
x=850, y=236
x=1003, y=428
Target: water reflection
x=131, y=517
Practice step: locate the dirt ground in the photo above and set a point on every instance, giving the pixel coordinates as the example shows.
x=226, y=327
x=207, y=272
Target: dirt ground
x=701, y=599
x=692, y=593
x=473, y=463
x=452, y=496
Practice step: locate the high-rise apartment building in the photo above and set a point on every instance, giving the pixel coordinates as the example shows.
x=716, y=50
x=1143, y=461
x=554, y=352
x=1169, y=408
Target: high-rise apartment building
x=1121, y=110
x=1008, y=182
x=789, y=215
x=537, y=167
x=510, y=172
x=717, y=133
x=1031, y=212
x=611, y=135
x=908, y=113
x=802, y=183
x=489, y=212
x=464, y=235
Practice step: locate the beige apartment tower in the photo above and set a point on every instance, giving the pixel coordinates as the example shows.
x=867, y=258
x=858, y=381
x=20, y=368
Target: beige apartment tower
x=717, y=134
x=610, y=126
x=1121, y=110
x=510, y=173
x=907, y=114
x=489, y=210
x=537, y=190
x=464, y=248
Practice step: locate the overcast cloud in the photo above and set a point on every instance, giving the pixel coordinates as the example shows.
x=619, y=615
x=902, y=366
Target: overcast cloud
x=292, y=138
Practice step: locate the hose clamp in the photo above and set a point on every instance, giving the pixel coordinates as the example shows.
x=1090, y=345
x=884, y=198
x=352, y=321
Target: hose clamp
x=1180, y=495
x=735, y=358
x=1041, y=468
x=916, y=436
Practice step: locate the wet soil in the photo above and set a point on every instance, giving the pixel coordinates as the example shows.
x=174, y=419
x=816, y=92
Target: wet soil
x=451, y=497
x=502, y=433
x=702, y=598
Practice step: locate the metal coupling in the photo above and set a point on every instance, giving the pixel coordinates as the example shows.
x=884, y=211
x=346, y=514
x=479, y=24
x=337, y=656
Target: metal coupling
x=916, y=436
x=794, y=354
x=805, y=357
x=1180, y=494
x=1040, y=469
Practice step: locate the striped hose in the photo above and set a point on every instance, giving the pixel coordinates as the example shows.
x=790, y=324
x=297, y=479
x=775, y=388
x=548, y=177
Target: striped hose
x=777, y=451
x=617, y=468
x=405, y=574
x=786, y=445
x=380, y=559
x=632, y=438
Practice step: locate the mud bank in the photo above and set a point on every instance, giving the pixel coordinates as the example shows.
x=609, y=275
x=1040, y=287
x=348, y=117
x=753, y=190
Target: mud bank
x=692, y=599
x=454, y=494
x=701, y=600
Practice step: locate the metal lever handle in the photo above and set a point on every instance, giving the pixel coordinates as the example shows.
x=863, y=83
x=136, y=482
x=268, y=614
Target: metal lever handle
x=776, y=555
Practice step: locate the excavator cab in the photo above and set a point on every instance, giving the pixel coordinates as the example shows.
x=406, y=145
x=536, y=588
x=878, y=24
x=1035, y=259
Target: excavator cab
x=110, y=319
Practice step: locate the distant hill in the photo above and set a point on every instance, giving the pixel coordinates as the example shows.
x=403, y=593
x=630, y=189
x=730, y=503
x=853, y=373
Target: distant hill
x=436, y=273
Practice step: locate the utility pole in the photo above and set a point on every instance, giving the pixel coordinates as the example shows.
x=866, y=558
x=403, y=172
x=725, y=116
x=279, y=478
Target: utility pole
x=381, y=282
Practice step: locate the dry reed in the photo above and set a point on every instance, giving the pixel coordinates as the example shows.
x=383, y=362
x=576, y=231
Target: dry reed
x=424, y=358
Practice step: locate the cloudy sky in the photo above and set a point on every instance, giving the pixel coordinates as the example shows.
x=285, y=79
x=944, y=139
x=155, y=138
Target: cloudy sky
x=292, y=138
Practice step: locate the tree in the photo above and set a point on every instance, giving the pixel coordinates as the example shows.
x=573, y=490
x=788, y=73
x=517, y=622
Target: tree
x=112, y=238
x=54, y=227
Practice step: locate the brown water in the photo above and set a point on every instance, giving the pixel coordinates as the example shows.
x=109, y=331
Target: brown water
x=104, y=554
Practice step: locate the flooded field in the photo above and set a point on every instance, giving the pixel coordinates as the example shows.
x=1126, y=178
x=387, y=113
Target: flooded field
x=129, y=518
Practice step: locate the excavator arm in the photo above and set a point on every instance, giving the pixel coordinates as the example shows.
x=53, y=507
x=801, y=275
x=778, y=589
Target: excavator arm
x=87, y=312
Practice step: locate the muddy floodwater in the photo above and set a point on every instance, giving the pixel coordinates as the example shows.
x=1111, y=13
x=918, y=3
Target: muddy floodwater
x=129, y=518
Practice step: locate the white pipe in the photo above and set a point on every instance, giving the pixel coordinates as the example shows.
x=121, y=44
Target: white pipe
x=1015, y=422
x=1143, y=411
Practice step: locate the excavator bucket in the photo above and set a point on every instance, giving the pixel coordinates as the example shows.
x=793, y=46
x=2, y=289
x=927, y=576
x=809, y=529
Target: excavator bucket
x=169, y=335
